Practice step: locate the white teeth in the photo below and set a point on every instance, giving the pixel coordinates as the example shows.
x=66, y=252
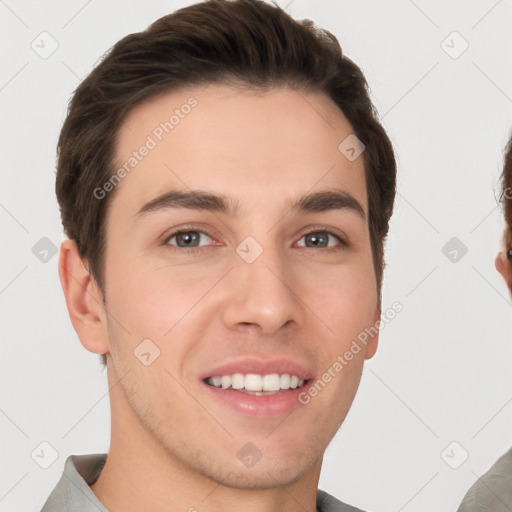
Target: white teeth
x=253, y=382
x=271, y=382
x=237, y=381
x=285, y=381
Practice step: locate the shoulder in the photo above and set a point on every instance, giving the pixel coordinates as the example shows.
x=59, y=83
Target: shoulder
x=493, y=490
x=327, y=503
x=72, y=491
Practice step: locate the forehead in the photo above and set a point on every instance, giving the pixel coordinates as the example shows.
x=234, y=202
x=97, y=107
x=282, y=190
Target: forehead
x=261, y=148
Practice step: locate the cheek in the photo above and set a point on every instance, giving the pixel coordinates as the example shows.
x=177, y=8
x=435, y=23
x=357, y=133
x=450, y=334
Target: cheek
x=344, y=299
x=155, y=301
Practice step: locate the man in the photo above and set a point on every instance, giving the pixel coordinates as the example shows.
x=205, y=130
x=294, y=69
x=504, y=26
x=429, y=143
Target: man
x=226, y=189
x=493, y=490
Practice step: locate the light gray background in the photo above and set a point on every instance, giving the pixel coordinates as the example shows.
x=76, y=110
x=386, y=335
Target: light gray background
x=442, y=371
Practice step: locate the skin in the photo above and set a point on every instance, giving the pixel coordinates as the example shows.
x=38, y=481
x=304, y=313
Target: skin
x=502, y=264
x=173, y=447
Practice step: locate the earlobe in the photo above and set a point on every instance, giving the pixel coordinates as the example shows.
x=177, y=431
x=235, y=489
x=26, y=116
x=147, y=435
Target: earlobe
x=373, y=339
x=83, y=299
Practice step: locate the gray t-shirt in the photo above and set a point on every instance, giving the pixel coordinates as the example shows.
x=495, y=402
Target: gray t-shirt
x=72, y=492
x=492, y=492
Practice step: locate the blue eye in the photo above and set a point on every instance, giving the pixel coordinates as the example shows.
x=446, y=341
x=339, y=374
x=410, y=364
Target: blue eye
x=321, y=239
x=189, y=240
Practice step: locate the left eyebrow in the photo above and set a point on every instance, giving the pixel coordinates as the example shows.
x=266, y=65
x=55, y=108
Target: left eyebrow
x=329, y=200
x=201, y=200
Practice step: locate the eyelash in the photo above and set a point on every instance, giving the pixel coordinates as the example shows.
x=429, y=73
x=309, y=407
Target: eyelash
x=187, y=250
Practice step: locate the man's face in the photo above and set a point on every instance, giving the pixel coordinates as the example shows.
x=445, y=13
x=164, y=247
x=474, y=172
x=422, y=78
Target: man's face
x=255, y=288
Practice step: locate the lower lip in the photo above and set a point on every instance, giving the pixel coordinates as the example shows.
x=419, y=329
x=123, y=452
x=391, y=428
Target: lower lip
x=279, y=404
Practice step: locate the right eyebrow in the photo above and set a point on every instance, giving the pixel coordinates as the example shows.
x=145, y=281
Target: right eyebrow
x=194, y=200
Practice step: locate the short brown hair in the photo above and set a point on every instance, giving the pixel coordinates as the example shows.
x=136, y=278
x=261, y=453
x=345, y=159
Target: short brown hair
x=245, y=43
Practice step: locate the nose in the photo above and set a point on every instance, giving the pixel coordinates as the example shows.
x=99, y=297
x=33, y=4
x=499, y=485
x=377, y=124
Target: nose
x=263, y=294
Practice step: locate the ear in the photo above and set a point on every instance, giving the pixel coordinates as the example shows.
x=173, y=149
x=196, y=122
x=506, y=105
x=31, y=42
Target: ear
x=504, y=267
x=83, y=299
x=373, y=340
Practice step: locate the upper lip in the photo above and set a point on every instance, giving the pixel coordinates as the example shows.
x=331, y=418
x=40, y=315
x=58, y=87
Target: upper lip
x=259, y=366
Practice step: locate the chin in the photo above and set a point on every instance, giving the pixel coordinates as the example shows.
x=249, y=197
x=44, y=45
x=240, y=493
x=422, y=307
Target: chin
x=273, y=469
x=266, y=476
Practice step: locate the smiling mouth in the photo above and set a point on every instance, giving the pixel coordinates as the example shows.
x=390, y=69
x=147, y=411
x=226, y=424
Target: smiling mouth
x=255, y=384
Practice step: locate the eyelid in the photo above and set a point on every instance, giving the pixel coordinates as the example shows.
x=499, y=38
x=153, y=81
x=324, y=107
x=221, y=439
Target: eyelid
x=199, y=227
x=186, y=229
x=342, y=238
